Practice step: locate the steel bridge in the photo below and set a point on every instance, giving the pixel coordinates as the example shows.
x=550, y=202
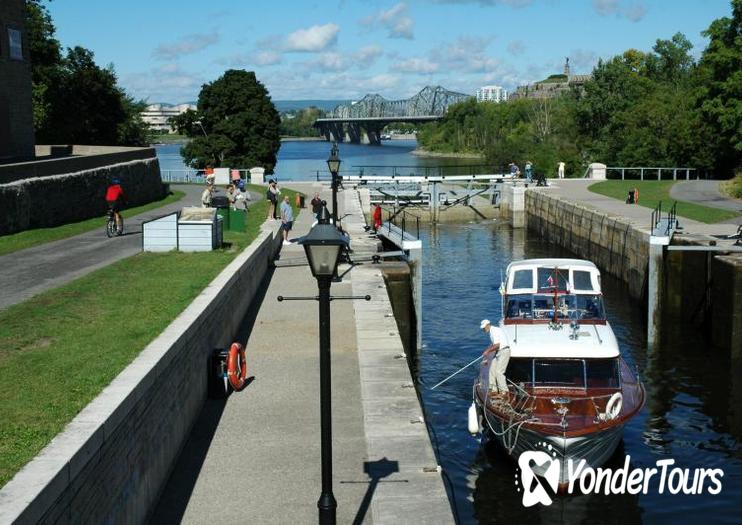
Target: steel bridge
x=364, y=120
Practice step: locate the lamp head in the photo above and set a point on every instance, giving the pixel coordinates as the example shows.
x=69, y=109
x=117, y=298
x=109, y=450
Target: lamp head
x=333, y=162
x=323, y=245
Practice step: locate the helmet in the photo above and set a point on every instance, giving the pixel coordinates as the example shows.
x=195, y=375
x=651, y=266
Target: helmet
x=116, y=181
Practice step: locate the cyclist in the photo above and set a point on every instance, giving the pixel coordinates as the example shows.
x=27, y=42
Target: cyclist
x=115, y=198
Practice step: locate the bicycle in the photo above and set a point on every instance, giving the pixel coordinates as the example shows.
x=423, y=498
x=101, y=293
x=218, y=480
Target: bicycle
x=111, y=228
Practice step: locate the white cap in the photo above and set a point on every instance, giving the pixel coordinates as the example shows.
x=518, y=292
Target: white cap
x=484, y=323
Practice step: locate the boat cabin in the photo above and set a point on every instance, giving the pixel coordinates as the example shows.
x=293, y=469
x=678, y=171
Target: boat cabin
x=548, y=290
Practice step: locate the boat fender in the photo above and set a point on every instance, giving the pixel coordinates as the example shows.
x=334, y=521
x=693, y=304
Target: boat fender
x=614, y=405
x=237, y=366
x=473, y=420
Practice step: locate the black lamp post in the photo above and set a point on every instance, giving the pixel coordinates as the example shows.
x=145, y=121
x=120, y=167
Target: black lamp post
x=323, y=245
x=333, y=163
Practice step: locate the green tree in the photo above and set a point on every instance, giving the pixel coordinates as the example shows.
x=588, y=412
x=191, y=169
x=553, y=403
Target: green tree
x=75, y=100
x=301, y=123
x=719, y=90
x=240, y=124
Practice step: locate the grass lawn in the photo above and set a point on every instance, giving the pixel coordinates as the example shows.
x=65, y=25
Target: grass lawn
x=59, y=349
x=652, y=191
x=26, y=239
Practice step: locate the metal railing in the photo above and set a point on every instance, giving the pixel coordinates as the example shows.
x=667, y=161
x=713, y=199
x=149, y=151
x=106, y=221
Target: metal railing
x=658, y=170
x=188, y=176
x=671, y=218
x=403, y=223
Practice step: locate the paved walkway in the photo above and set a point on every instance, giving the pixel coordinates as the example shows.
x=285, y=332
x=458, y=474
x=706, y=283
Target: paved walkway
x=255, y=458
x=706, y=193
x=29, y=272
x=577, y=190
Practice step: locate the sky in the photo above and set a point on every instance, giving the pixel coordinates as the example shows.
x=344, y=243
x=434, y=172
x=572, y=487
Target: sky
x=165, y=50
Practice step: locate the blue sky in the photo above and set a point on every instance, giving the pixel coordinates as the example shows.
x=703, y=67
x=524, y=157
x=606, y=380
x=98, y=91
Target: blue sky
x=164, y=50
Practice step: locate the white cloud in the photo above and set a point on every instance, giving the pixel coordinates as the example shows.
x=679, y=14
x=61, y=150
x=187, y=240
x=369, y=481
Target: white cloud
x=268, y=58
x=328, y=62
x=486, y=3
x=367, y=55
x=516, y=47
x=185, y=46
x=467, y=54
x=312, y=39
x=395, y=20
x=415, y=65
x=633, y=12
x=167, y=83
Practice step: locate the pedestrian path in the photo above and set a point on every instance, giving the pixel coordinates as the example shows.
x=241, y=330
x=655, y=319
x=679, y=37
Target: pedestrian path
x=256, y=457
x=35, y=270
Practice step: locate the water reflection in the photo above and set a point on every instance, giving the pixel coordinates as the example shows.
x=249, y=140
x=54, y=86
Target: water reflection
x=694, y=397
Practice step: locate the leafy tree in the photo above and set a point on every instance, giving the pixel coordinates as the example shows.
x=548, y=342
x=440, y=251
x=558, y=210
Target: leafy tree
x=75, y=100
x=240, y=124
x=301, y=123
x=719, y=95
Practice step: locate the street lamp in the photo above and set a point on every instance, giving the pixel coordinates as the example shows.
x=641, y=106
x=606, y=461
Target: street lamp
x=323, y=245
x=202, y=127
x=333, y=163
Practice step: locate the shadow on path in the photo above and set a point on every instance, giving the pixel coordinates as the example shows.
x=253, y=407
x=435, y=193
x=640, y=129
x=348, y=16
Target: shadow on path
x=376, y=470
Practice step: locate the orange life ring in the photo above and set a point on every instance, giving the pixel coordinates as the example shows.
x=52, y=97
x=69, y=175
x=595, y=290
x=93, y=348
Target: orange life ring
x=237, y=366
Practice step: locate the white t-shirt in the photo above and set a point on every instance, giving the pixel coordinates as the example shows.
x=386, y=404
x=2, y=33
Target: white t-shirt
x=495, y=335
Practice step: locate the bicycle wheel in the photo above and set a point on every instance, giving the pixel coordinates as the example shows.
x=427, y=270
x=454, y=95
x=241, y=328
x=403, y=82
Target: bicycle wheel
x=111, y=227
x=120, y=231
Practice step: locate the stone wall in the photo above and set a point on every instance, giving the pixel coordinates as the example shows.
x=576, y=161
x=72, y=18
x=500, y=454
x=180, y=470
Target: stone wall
x=41, y=202
x=615, y=246
x=111, y=462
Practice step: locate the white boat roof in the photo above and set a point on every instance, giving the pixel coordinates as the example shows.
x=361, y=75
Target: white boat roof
x=561, y=263
x=538, y=340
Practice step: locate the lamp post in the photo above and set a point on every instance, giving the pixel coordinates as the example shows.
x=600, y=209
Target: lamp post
x=201, y=126
x=333, y=163
x=323, y=245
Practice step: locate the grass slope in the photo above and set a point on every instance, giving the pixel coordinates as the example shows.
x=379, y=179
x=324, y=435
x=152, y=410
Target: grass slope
x=59, y=349
x=652, y=192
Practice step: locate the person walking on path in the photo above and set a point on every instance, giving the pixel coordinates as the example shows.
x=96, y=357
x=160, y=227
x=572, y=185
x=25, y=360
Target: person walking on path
x=561, y=170
x=287, y=219
x=529, y=171
x=206, y=196
x=501, y=351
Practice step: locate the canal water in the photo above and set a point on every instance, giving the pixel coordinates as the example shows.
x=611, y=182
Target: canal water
x=693, y=412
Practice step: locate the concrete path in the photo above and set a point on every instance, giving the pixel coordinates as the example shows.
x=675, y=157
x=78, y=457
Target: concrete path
x=706, y=193
x=577, y=190
x=255, y=458
x=29, y=272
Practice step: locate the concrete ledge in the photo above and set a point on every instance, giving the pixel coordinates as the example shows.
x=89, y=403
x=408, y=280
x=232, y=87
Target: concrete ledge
x=109, y=463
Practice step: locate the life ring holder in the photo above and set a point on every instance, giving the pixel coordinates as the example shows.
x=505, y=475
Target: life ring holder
x=237, y=366
x=613, y=407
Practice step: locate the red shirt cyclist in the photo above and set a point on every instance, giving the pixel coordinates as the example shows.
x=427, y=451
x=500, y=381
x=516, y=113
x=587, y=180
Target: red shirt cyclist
x=115, y=198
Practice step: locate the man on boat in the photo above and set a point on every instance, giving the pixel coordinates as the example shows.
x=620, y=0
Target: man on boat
x=501, y=350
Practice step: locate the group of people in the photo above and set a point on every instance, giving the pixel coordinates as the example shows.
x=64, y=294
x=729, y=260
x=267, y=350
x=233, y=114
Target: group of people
x=529, y=172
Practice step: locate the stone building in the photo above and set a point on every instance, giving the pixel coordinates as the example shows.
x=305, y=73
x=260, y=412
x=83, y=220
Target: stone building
x=552, y=86
x=16, y=112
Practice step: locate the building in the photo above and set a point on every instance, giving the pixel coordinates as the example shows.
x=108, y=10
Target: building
x=491, y=93
x=158, y=115
x=552, y=86
x=16, y=110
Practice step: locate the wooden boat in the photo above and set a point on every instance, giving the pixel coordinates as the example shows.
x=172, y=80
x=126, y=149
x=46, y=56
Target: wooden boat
x=570, y=391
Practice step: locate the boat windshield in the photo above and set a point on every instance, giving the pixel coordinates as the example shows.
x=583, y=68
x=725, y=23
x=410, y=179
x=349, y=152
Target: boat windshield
x=541, y=306
x=564, y=373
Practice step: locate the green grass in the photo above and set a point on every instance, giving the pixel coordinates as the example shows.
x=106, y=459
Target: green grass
x=26, y=239
x=733, y=187
x=652, y=192
x=59, y=349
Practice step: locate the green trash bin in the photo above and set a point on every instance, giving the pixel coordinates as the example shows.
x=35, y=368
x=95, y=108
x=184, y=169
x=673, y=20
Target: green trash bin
x=224, y=214
x=237, y=220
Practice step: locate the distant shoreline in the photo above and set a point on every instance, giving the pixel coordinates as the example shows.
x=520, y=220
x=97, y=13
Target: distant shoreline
x=301, y=139
x=420, y=152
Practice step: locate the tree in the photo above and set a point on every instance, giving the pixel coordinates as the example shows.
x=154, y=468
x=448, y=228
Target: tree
x=241, y=127
x=75, y=100
x=719, y=91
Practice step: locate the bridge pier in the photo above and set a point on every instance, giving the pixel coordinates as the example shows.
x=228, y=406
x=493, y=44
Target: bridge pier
x=336, y=132
x=353, y=133
x=372, y=135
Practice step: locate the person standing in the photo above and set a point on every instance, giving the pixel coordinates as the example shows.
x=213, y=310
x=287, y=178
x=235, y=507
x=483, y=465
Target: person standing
x=529, y=171
x=497, y=380
x=206, y=196
x=514, y=170
x=272, y=196
x=377, y=217
x=287, y=219
x=561, y=170
x=316, y=203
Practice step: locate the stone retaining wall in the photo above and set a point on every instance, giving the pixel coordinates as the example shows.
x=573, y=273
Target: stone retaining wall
x=111, y=461
x=42, y=202
x=615, y=246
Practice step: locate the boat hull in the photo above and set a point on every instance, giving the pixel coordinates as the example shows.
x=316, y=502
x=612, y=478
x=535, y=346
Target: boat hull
x=595, y=447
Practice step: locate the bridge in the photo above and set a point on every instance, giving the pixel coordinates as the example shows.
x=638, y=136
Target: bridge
x=363, y=121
